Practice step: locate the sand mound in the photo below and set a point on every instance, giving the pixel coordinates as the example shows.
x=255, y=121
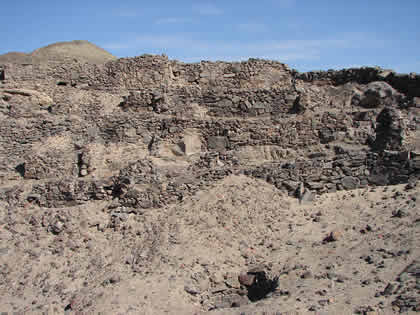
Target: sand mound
x=78, y=49
x=186, y=258
x=230, y=219
x=81, y=50
x=15, y=57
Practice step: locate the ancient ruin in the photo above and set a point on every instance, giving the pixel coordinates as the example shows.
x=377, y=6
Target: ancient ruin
x=103, y=163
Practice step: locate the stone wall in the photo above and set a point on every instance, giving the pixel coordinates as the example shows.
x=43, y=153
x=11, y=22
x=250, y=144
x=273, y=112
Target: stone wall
x=347, y=170
x=148, y=131
x=408, y=84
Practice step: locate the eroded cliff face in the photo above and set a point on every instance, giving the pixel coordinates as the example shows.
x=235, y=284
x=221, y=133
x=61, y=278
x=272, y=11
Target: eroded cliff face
x=89, y=125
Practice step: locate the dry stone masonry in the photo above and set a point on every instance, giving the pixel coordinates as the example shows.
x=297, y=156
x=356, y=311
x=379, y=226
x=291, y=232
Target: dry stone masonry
x=148, y=131
x=150, y=185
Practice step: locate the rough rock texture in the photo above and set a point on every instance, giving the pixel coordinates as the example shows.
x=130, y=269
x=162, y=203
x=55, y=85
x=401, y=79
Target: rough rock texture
x=171, y=187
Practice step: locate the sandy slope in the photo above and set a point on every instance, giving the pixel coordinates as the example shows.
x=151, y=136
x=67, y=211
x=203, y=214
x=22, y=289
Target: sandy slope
x=81, y=50
x=186, y=258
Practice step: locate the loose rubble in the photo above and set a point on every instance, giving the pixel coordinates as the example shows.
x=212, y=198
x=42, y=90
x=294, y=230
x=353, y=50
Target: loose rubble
x=150, y=185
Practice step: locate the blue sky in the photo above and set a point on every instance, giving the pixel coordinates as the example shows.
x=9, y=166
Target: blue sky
x=306, y=34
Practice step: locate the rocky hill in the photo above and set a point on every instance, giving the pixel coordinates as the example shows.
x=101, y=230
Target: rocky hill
x=81, y=50
x=147, y=185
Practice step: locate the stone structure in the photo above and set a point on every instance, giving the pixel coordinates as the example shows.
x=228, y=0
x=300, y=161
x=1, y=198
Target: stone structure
x=147, y=131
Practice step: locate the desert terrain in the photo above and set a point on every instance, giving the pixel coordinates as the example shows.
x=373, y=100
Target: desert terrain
x=147, y=185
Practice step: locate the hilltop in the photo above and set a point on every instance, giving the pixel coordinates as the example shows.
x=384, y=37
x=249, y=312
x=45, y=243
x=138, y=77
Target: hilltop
x=81, y=50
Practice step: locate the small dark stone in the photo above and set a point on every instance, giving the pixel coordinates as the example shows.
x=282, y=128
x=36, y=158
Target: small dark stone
x=366, y=282
x=313, y=308
x=341, y=279
x=389, y=289
x=399, y=214
x=333, y=236
x=191, y=290
x=306, y=275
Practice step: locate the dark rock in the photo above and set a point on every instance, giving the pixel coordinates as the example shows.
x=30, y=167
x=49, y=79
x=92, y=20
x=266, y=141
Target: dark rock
x=390, y=130
x=217, y=143
x=333, y=236
x=57, y=227
x=191, y=289
x=411, y=185
x=307, y=275
x=326, y=136
x=389, y=289
x=112, y=280
x=399, y=213
x=350, y=182
x=364, y=116
x=379, y=179
x=258, y=284
x=299, y=106
x=378, y=93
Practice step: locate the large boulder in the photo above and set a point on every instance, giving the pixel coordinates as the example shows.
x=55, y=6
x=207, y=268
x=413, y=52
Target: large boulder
x=376, y=94
x=390, y=130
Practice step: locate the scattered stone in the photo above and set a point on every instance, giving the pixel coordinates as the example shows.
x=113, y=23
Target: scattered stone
x=399, y=213
x=134, y=146
x=411, y=185
x=389, y=289
x=307, y=275
x=364, y=310
x=57, y=227
x=112, y=280
x=191, y=289
x=247, y=279
x=333, y=236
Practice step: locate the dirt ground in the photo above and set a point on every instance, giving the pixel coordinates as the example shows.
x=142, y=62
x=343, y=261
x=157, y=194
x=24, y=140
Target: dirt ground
x=149, y=186
x=186, y=259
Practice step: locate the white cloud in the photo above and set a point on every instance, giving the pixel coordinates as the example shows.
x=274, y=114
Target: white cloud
x=252, y=27
x=125, y=13
x=285, y=3
x=172, y=20
x=207, y=9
